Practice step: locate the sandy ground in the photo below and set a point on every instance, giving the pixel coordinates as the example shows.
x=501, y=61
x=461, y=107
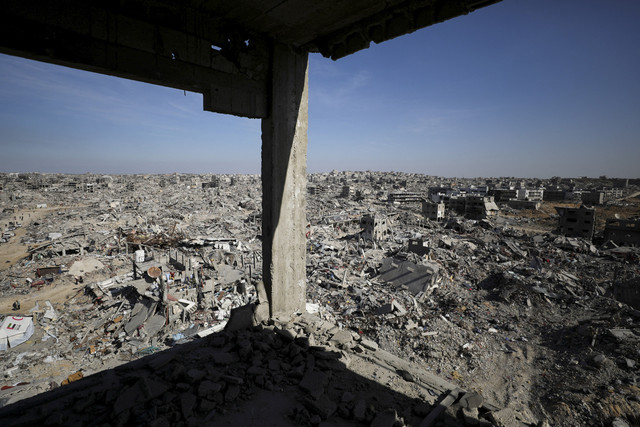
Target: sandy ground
x=59, y=291
x=14, y=251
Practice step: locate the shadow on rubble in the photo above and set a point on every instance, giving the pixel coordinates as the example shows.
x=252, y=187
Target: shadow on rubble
x=596, y=341
x=261, y=376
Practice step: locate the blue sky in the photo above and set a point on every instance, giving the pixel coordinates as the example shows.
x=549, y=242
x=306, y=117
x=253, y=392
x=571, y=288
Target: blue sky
x=530, y=88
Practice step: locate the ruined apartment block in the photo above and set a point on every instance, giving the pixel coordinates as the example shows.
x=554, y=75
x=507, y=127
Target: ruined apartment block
x=347, y=191
x=623, y=231
x=593, y=197
x=404, y=197
x=375, y=227
x=553, y=195
x=532, y=194
x=576, y=222
x=474, y=207
x=480, y=207
x=432, y=211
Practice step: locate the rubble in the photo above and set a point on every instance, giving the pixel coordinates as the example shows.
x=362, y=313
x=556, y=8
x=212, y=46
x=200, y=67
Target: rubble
x=154, y=301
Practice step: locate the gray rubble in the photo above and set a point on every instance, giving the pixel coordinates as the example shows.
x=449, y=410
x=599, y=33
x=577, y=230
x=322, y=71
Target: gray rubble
x=522, y=325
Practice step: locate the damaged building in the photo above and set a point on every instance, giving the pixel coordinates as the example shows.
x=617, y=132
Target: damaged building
x=433, y=211
x=576, y=222
x=623, y=231
x=375, y=227
x=474, y=207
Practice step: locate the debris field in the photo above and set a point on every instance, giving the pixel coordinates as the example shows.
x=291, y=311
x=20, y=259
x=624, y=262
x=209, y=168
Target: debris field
x=141, y=304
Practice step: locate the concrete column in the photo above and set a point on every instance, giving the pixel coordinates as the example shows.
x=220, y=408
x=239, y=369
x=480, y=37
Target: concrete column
x=284, y=182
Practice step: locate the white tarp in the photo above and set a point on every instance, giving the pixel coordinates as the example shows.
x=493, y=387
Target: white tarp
x=14, y=331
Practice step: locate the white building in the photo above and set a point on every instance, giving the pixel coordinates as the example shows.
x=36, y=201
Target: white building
x=531, y=194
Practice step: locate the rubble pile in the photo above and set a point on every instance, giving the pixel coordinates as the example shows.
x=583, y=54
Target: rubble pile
x=495, y=321
x=296, y=371
x=502, y=316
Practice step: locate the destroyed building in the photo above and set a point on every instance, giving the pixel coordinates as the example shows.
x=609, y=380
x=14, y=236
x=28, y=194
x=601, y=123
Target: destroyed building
x=576, y=222
x=404, y=197
x=375, y=227
x=474, y=207
x=623, y=231
x=347, y=191
x=503, y=194
x=524, y=204
x=433, y=211
x=533, y=194
x=593, y=197
x=418, y=246
x=553, y=195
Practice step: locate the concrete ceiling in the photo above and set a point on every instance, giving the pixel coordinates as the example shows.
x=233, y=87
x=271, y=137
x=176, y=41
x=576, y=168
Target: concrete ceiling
x=220, y=48
x=336, y=28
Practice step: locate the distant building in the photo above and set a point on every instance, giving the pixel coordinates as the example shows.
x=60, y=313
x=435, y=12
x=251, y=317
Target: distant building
x=480, y=207
x=623, y=231
x=534, y=194
x=593, y=197
x=375, y=227
x=474, y=207
x=431, y=210
x=503, y=194
x=577, y=222
x=614, y=193
x=316, y=190
x=553, y=195
x=347, y=191
x=403, y=197
x=456, y=204
x=214, y=183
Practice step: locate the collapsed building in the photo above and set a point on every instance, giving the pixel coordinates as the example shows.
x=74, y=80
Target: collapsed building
x=623, y=231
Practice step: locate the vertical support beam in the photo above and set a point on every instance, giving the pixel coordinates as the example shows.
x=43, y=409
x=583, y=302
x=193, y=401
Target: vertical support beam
x=284, y=182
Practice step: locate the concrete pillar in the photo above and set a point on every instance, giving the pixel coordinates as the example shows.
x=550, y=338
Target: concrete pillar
x=284, y=182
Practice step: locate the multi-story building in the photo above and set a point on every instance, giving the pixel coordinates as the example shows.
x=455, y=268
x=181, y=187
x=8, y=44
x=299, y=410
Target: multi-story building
x=533, y=194
x=503, y=194
x=375, y=227
x=403, y=197
x=479, y=207
x=576, y=222
x=475, y=207
x=431, y=210
x=623, y=231
x=347, y=191
x=553, y=195
x=593, y=197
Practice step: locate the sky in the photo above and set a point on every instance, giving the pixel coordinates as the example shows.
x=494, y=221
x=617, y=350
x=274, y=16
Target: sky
x=524, y=88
